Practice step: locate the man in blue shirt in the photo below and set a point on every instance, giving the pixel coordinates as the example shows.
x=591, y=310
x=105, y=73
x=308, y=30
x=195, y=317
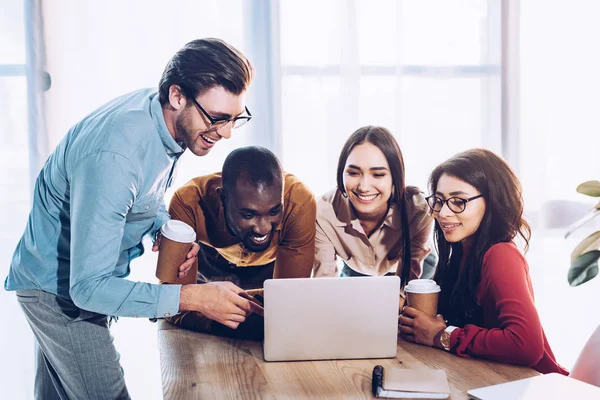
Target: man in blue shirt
x=97, y=195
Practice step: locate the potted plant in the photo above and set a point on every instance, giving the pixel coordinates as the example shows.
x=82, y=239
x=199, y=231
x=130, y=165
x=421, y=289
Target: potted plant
x=584, y=259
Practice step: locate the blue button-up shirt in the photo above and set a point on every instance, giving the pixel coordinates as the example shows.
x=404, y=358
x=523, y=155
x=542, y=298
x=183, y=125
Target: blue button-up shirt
x=98, y=194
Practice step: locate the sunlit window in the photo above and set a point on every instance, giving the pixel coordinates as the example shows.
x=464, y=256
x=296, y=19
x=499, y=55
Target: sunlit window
x=14, y=187
x=427, y=70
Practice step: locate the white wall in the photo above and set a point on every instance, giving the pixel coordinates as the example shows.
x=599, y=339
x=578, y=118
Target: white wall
x=560, y=141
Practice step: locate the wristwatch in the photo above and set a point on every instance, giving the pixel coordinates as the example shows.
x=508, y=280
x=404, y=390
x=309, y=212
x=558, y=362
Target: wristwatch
x=445, y=338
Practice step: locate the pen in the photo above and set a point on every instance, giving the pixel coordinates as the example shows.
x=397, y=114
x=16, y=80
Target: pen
x=377, y=380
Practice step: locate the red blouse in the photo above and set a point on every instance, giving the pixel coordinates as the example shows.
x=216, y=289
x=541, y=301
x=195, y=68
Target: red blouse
x=511, y=331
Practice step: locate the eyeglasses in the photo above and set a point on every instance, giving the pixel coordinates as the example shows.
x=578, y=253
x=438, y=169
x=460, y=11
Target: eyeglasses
x=455, y=204
x=236, y=122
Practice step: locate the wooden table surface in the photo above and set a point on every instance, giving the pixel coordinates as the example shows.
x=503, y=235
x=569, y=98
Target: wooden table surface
x=202, y=366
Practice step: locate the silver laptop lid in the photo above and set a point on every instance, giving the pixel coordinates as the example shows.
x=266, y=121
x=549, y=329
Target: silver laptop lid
x=331, y=318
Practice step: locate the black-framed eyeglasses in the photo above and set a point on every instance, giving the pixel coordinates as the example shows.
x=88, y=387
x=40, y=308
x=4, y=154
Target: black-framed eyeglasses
x=455, y=204
x=236, y=122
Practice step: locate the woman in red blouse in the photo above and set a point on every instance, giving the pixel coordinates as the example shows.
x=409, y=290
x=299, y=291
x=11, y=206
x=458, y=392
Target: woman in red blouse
x=487, y=297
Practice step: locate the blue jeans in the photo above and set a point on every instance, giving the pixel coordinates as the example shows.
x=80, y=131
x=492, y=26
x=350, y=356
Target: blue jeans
x=75, y=354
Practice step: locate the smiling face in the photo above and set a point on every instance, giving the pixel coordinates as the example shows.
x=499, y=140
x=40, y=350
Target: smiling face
x=253, y=212
x=462, y=226
x=368, y=180
x=192, y=127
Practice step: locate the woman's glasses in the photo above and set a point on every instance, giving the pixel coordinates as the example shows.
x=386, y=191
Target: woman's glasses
x=455, y=204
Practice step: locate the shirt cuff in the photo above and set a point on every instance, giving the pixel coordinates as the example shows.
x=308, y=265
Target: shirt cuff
x=454, y=336
x=168, y=301
x=160, y=220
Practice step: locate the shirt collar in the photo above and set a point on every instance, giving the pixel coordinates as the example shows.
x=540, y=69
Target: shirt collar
x=393, y=218
x=172, y=147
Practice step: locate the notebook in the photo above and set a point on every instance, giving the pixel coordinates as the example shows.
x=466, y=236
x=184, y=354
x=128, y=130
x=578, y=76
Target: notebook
x=399, y=383
x=549, y=386
x=331, y=318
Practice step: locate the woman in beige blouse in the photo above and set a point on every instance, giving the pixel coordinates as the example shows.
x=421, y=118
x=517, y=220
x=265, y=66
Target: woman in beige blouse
x=372, y=221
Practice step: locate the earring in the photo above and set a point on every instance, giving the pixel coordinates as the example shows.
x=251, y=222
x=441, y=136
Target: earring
x=344, y=194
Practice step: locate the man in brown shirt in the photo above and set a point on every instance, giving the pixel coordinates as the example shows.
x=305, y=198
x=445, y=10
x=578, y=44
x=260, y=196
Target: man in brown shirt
x=253, y=222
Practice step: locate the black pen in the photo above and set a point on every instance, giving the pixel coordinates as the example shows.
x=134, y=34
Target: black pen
x=377, y=383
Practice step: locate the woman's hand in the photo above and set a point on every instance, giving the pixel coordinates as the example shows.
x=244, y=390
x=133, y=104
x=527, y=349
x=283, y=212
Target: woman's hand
x=416, y=326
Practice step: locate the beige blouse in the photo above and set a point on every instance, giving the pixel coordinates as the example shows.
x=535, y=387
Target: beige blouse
x=339, y=233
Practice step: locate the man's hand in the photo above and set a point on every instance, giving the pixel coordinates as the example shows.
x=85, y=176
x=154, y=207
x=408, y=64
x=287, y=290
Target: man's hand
x=416, y=326
x=191, y=257
x=156, y=244
x=218, y=301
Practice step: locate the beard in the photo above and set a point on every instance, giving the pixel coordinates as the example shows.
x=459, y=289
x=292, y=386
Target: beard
x=186, y=134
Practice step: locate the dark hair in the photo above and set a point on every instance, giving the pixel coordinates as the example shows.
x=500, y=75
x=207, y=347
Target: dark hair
x=203, y=64
x=502, y=221
x=256, y=164
x=384, y=141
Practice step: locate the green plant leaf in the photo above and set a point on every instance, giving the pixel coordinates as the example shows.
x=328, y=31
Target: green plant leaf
x=584, y=268
x=590, y=188
x=590, y=243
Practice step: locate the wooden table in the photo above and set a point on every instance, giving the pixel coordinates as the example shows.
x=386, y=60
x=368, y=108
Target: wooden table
x=202, y=366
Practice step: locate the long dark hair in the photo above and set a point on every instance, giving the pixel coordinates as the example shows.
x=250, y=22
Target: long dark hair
x=385, y=141
x=502, y=221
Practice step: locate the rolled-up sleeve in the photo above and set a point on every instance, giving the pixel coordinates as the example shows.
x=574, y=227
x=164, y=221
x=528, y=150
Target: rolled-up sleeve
x=162, y=217
x=103, y=188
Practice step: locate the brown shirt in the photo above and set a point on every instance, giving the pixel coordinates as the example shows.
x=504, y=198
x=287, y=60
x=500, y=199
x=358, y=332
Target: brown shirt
x=197, y=203
x=339, y=233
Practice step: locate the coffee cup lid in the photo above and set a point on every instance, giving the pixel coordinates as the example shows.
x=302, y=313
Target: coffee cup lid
x=422, y=286
x=178, y=231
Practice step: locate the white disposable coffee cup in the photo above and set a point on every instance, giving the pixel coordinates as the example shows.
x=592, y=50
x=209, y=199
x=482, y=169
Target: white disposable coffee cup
x=423, y=294
x=175, y=244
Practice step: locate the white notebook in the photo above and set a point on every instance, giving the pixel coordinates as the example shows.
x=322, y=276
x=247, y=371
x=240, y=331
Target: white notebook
x=547, y=387
x=399, y=383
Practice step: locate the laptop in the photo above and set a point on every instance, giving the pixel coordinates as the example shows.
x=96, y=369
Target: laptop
x=549, y=386
x=331, y=318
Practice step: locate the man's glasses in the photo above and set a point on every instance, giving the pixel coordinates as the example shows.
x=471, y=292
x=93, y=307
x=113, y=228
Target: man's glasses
x=455, y=204
x=236, y=122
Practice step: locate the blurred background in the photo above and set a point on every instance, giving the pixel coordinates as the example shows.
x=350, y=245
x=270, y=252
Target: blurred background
x=518, y=77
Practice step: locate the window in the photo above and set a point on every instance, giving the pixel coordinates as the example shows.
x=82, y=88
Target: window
x=14, y=187
x=427, y=70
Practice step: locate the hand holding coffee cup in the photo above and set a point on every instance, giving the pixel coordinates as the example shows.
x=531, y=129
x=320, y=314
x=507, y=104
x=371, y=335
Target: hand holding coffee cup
x=177, y=238
x=423, y=294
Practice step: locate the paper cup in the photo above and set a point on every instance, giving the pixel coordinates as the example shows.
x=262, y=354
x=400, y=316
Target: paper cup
x=422, y=294
x=175, y=243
